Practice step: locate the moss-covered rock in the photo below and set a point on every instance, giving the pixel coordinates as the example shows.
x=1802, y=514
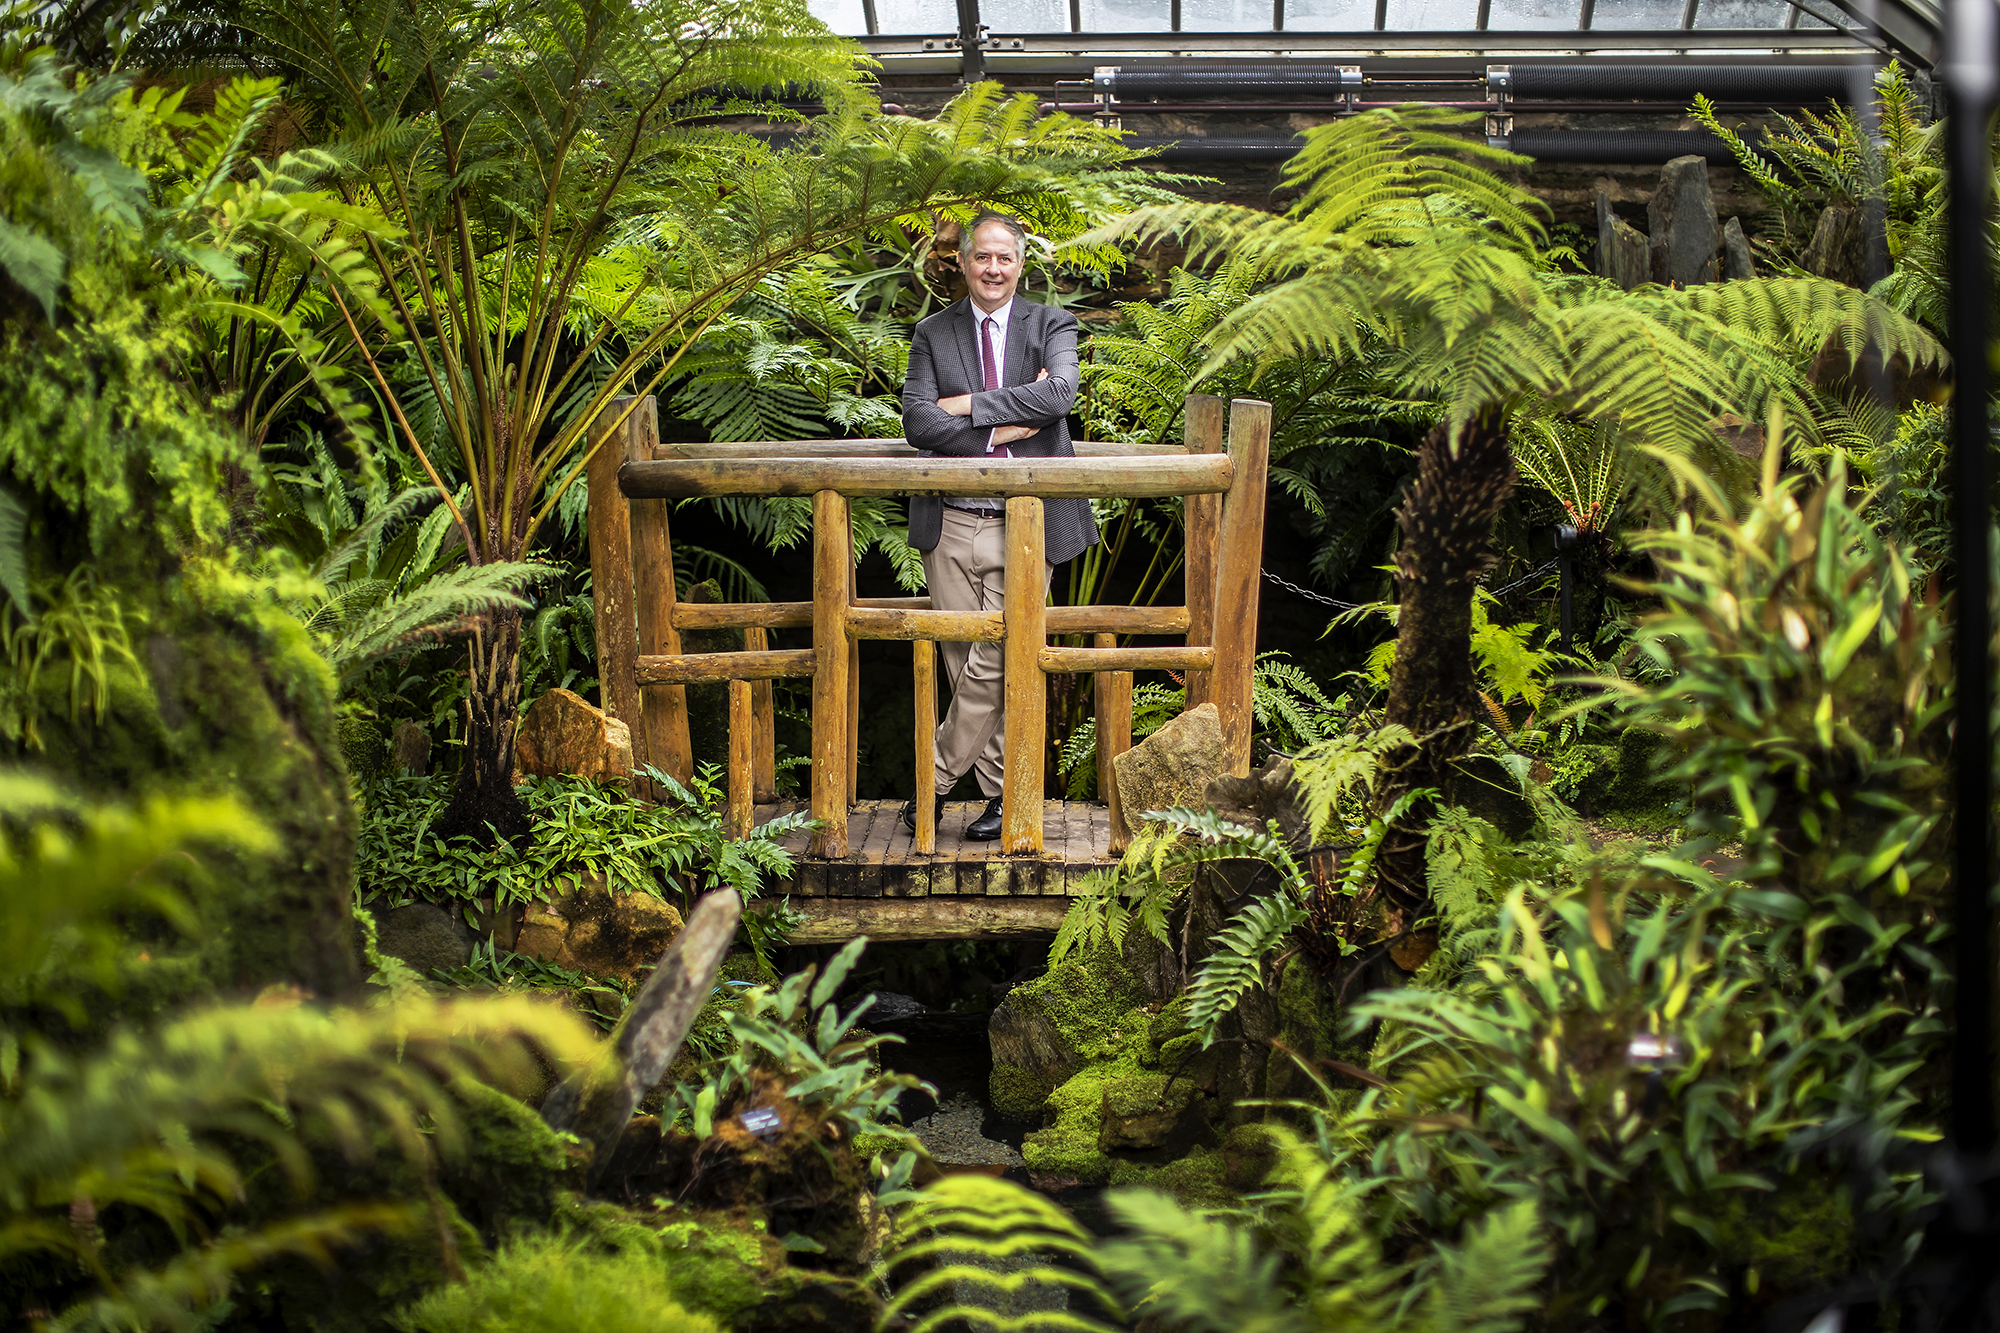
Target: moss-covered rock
x=1097, y=1004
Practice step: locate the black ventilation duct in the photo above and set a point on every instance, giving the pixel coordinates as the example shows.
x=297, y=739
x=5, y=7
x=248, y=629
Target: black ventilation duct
x=1214, y=148
x=1623, y=146
x=1776, y=84
x=1244, y=79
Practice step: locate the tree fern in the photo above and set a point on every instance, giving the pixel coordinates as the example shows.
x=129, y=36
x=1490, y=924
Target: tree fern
x=972, y=1250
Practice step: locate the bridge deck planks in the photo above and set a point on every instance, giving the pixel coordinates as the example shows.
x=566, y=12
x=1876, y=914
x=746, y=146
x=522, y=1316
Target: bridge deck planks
x=882, y=860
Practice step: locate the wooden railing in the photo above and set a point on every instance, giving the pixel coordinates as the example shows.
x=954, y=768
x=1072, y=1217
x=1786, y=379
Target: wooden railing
x=633, y=478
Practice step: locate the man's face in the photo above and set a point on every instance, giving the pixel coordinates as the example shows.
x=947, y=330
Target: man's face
x=993, y=269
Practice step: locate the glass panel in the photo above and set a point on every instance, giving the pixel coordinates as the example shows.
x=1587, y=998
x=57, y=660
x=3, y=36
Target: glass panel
x=1112, y=16
x=1025, y=15
x=1329, y=15
x=1741, y=14
x=843, y=16
x=1226, y=15
x=1531, y=15
x=1431, y=15
x=916, y=18
x=1637, y=14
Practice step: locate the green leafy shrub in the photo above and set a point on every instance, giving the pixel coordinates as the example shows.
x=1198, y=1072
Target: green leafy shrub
x=675, y=849
x=558, y=1284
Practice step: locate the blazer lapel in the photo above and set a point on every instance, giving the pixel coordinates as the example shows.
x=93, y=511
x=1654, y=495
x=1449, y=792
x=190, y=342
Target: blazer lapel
x=1018, y=371
x=968, y=345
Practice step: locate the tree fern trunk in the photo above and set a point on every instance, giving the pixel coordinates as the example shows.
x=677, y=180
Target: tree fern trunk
x=1447, y=529
x=485, y=805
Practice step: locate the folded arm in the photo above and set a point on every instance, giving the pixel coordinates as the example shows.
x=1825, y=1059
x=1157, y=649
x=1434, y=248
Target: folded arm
x=1044, y=401
x=926, y=425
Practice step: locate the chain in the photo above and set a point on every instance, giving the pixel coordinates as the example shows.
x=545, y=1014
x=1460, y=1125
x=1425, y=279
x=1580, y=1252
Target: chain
x=1531, y=576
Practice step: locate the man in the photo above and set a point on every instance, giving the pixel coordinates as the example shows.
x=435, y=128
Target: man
x=992, y=376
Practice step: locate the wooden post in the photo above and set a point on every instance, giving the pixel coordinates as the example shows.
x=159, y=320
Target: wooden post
x=742, y=745
x=923, y=674
x=853, y=678
x=1114, y=736
x=832, y=560
x=763, y=726
x=611, y=586
x=662, y=736
x=1239, y=571
x=1201, y=431
x=1027, y=693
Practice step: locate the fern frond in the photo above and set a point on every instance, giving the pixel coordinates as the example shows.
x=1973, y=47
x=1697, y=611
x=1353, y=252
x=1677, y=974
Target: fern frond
x=1237, y=964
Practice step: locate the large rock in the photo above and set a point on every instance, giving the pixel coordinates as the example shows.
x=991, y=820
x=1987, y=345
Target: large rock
x=1047, y=1029
x=1736, y=259
x=1835, y=249
x=593, y=928
x=1681, y=220
x=1173, y=766
x=1623, y=254
x=565, y=734
x=1142, y=1111
x=425, y=935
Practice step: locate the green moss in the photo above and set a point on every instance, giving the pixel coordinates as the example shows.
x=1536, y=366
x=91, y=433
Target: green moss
x=1071, y=1145
x=558, y=1283
x=718, y=1267
x=1198, y=1180
x=1017, y=1093
x=515, y=1166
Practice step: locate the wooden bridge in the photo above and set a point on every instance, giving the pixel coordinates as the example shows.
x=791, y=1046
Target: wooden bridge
x=860, y=871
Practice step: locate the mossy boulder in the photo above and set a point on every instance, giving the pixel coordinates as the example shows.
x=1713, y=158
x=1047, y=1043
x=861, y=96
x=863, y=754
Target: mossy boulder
x=1098, y=1002
x=1144, y=1110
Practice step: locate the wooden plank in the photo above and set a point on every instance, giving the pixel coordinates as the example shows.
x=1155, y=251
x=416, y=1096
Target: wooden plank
x=1076, y=478
x=1239, y=572
x=881, y=447
x=691, y=668
x=1201, y=429
x=663, y=737
x=798, y=615
x=1081, y=856
x=1114, y=737
x=830, y=920
x=923, y=677
x=833, y=558
x=763, y=726
x=742, y=745
x=1163, y=657
x=1025, y=598
x=611, y=590
x=867, y=622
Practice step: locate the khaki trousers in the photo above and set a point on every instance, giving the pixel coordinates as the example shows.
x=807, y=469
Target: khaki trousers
x=966, y=572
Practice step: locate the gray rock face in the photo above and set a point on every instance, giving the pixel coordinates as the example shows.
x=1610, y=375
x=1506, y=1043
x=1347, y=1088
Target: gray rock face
x=1835, y=249
x=1623, y=254
x=1173, y=766
x=1736, y=261
x=1024, y=1035
x=1681, y=218
x=425, y=936
x=410, y=749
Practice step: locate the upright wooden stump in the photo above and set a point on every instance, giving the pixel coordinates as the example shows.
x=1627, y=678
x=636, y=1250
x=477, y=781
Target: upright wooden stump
x=923, y=675
x=742, y=747
x=611, y=583
x=1201, y=432
x=763, y=725
x=1239, y=572
x=1114, y=736
x=1026, y=611
x=832, y=560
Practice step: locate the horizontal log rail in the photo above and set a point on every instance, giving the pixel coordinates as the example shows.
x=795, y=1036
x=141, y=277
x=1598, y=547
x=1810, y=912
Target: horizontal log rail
x=798, y=615
x=1089, y=661
x=883, y=448
x=1043, y=478
x=640, y=620
x=697, y=668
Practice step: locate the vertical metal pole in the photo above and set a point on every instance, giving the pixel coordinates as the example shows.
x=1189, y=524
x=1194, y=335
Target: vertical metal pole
x=869, y=19
x=971, y=43
x=1565, y=547
x=1969, y=79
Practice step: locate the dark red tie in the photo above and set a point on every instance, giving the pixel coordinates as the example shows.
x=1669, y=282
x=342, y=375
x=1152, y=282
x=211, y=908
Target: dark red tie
x=988, y=363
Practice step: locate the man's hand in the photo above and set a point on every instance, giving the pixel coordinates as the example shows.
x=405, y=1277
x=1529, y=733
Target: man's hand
x=960, y=405
x=1012, y=434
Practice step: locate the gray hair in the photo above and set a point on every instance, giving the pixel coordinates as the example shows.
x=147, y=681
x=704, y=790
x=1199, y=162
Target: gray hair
x=988, y=216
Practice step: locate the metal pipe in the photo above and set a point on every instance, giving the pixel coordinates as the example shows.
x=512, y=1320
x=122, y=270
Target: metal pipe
x=1615, y=145
x=1761, y=85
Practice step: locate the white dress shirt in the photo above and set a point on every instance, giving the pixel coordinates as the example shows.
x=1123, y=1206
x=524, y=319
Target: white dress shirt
x=999, y=339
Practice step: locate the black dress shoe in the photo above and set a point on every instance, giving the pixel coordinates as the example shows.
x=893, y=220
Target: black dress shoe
x=987, y=827
x=910, y=814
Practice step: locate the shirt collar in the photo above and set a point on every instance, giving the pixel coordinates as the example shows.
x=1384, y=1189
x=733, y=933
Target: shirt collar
x=1000, y=316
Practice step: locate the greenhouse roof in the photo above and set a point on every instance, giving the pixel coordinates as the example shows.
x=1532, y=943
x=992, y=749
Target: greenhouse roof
x=1053, y=33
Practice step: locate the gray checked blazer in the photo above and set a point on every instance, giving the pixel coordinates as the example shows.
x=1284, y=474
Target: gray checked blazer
x=944, y=361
